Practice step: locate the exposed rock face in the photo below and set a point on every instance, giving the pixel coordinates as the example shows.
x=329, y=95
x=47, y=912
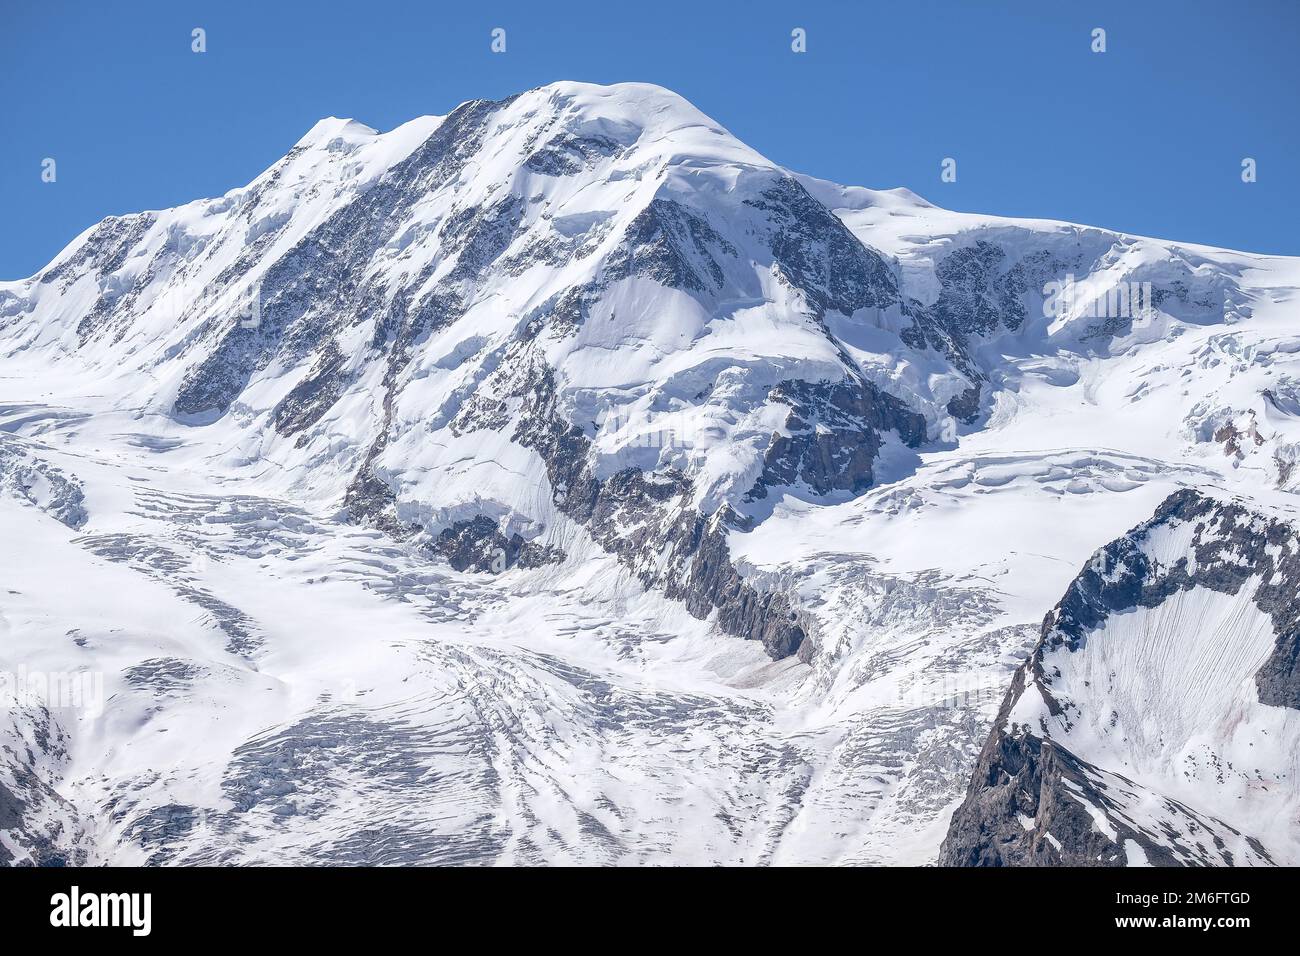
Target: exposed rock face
x=966, y=406
x=649, y=523
x=1032, y=800
x=835, y=432
x=40, y=827
x=815, y=252
x=327, y=284
x=673, y=246
x=1231, y=546
x=982, y=291
x=568, y=155
x=321, y=285
x=479, y=545
x=311, y=398
x=539, y=399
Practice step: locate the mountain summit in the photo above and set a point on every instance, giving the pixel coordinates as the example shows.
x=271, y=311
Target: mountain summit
x=447, y=464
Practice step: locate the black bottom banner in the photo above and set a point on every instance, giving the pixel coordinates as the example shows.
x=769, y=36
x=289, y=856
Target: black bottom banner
x=926, y=905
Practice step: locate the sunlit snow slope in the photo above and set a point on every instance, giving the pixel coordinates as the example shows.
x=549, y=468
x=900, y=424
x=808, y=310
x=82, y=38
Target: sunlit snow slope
x=559, y=480
x=1156, y=721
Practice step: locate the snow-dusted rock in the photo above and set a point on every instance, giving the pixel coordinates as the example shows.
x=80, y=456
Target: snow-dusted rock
x=1157, y=721
x=409, y=500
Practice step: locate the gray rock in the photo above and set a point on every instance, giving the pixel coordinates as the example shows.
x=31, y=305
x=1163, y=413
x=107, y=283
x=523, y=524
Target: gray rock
x=1023, y=776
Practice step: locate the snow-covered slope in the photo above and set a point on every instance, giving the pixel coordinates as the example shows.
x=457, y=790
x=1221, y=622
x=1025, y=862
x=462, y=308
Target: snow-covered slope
x=1158, y=719
x=409, y=501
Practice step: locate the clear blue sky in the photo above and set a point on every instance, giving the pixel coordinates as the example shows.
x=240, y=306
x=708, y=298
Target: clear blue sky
x=1147, y=137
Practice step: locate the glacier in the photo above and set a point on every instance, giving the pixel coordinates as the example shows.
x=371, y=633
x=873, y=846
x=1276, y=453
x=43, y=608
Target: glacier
x=561, y=481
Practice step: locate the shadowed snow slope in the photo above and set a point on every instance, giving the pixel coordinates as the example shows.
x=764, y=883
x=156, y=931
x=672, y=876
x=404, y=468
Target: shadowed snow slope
x=561, y=480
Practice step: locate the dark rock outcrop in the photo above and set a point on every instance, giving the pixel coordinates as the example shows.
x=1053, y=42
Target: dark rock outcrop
x=322, y=284
x=674, y=246
x=34, y=818
x=1026, y=807
x=648, y=522
x=477, y=544
x=836, y=430
x=568, y=155
x=1027, y=786
x=816, y=253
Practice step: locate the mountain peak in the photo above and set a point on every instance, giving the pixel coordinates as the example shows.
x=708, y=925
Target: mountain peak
x=512, y=417
x=333, y=128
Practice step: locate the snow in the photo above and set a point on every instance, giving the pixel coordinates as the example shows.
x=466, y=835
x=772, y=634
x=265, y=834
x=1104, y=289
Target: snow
x=567, y=714
x=1166, y=696
x=1134, y=854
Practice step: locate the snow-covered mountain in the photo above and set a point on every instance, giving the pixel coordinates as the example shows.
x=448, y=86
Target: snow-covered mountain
x=561, y=480
x=1156, y=720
